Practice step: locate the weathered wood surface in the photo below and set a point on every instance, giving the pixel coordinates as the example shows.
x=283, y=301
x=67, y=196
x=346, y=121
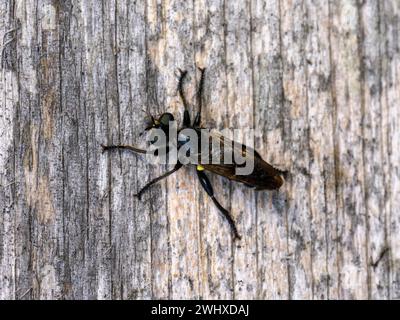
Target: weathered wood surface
x=319, y=80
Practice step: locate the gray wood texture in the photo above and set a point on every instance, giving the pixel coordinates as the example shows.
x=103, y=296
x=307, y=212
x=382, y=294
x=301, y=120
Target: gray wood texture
x=318, y=80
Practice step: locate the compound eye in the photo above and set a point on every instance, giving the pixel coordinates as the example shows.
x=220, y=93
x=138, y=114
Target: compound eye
x=166, y=118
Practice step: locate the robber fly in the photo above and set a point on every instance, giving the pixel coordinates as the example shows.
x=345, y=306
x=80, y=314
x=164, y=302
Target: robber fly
x=263, y=177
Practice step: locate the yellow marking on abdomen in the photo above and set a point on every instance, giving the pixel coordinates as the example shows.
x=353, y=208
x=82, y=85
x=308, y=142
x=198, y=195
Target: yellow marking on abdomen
x=200, y=168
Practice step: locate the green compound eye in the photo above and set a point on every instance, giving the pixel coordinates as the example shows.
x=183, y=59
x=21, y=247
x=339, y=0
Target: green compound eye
x=166, y=118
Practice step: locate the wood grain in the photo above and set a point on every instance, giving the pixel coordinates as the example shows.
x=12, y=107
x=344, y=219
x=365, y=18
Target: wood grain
x=319, y=81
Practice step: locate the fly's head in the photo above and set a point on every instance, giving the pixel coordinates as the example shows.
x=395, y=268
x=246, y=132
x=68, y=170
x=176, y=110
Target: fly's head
x=162, y=122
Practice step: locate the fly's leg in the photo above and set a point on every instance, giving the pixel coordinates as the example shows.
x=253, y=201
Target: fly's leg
x=197, y=119
x=137, y=150
x=122, y=147
x=149, y=184
x=206, y=184
x=186, y=116
x=160, y=151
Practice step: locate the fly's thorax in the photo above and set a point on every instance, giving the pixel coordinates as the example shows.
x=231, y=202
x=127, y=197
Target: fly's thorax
x=189, y=145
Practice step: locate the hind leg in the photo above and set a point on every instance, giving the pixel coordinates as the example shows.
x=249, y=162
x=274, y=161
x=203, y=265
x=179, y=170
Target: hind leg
x=122, y=147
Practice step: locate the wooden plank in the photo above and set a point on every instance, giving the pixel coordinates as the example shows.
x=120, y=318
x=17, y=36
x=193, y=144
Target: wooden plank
x=75, y=196
x=216, y=272
x=322, y=166
x=374, y=157
x=294, y=32
x=240, y=95
x=130, y=227
x=181, y=196
x=268, y=124
x=317, y=81
x=390, y=96
x=156, y=104
x=350, y=167
x=8, y=183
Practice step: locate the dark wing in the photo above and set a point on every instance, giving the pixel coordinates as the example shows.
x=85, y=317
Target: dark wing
x=259, y=179
x=263, y=176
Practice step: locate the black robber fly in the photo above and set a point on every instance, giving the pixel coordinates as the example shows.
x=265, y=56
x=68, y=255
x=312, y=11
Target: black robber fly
x=263, y=177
